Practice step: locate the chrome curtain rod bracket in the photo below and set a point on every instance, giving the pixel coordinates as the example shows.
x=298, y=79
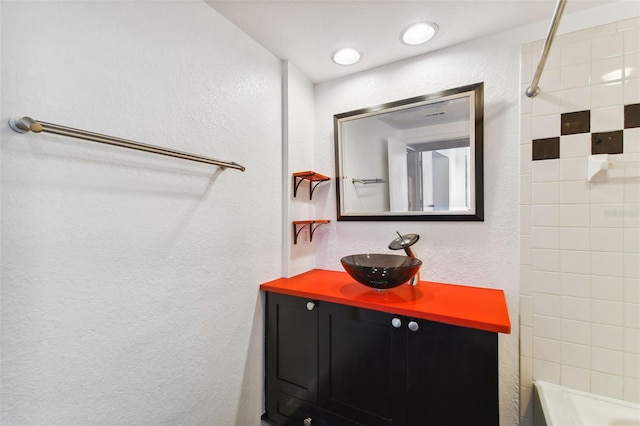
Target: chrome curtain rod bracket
x=28, y=124
x=553, y=28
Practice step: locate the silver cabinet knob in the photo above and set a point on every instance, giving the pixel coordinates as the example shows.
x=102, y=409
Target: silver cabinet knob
x=396, y=322
x=413, y=326
x=307, y=421
x=310, y=306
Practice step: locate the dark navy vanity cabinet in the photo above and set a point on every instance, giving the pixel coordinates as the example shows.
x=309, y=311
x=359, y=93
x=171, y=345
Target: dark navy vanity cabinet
x=335, y=364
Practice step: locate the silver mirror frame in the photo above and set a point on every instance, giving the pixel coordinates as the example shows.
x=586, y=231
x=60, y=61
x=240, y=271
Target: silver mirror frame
x=478, y=154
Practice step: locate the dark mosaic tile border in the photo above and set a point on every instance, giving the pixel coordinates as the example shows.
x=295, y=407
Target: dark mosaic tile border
x=579, y=122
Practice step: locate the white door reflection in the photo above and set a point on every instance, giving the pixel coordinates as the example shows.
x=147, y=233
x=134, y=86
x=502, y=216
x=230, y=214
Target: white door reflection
x=429, y=180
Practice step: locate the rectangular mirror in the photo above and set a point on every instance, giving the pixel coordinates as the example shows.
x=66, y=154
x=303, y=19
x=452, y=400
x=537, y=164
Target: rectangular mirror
x=414, y=159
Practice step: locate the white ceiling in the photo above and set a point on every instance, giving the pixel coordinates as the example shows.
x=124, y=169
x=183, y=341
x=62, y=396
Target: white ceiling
x=306, y=32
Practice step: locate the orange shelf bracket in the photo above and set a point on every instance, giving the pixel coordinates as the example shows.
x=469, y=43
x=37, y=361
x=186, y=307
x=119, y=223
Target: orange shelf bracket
x=314, y=179
x=305, y=223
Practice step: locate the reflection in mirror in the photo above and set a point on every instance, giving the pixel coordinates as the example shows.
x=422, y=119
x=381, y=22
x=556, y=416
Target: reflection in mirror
x=415, y=159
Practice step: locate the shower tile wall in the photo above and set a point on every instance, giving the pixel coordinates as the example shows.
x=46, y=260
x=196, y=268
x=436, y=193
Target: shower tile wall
x=580, y=240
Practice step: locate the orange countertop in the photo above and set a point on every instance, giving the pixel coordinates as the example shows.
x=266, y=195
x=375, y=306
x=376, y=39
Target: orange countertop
x=473, y=307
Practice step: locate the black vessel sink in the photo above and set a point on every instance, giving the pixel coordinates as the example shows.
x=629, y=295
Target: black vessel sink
x=381, y=271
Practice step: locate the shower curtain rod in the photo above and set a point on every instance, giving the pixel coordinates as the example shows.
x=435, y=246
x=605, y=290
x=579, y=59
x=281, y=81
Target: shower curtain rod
x=555, y=23
x=26, y=124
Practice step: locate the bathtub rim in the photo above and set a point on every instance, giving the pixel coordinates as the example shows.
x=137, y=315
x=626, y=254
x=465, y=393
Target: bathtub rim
x=553, y=400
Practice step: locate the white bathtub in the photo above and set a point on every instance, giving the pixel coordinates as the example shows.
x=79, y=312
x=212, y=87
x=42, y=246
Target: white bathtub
x=555, y=405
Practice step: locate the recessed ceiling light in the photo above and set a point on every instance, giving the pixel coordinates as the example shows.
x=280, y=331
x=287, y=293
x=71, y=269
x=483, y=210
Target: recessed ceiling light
x=346, y=56
x=418, y=33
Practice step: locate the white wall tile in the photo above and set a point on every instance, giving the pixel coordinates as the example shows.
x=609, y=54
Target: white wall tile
x=606, y=384
x=607, y=119
x=545, y=260
x=631, y=42
x=526, y=341
x=547, y=327
x=578, y=332
x=632, y=65
x=577, y=52
x=546, y=371
x=632, y=365
x=576, y=355
x=546, y=304
x=607, y=360
x=631, y=390
x=631, y=291
x=577, y=215
x=545, y=215
x=525, y=280
x=524, y=222
x=526, y=371
x=545, y=171
x=632, y=315
x=607, y=312
x=526, y=67
x=607, y=239
x=631, y=265
x=549, y=83
x=576, y=308
x=546, y=193
x=607, y=216
x=545, y=238
x=546, y=349
x=607, y=70
x=525, y=189
x=575, y=262
x=576, y=146
x=607, y=264
x=575, y=99
x=575, y=239
x=607, y=192
x=525, y=124
x=525, y=249
x=607, y=288
x=631, y=215
x=573, y=76
x=575, y=192
x=578, y=285
x=575, y=378
x=607, y=336
x=632, y=91
x=546, y=282
x=573, y=168
x=606, y=95
x=525, y=158
x=526, y=310
x=607, y=46
x=631, y=340
x=545, y=126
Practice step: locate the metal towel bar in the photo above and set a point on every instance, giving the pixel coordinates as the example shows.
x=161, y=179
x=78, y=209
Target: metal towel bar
x=368, y=181
x=26, y=124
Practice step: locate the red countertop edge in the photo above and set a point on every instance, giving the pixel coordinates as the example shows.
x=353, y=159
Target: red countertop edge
x=473, y=307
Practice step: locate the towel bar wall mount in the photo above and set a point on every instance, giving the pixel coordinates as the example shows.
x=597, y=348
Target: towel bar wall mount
x=28, y=124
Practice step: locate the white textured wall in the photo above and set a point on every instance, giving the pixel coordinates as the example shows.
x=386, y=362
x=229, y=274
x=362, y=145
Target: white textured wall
x=129, y=280
x=298, y=122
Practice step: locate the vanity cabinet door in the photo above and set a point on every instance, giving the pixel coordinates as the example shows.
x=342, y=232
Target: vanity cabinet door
x=452, y=375
x=291, y=356
x=362, y=365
